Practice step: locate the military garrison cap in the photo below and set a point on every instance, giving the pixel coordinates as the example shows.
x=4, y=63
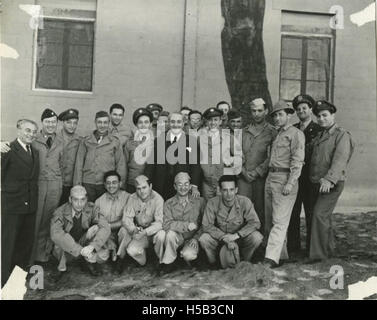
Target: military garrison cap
x=69, y=114
x=212, y=112
x=323, y=105
x=303, y=98
x=154, y=106
x=48, y=113
x=233, y=114
x=141, y=112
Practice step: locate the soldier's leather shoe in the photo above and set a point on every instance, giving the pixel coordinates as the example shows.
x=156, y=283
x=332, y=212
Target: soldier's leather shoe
x=270, y=263
x=56, y=276
x=93, y=269
x=118, y=266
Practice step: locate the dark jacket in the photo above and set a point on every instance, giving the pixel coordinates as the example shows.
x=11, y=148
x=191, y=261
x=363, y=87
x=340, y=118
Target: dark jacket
x=162, y=173
x=310, y=132
x=19, y=180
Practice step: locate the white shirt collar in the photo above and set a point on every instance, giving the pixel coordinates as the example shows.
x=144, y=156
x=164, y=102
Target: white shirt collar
x=172, y=135
x=23, y=145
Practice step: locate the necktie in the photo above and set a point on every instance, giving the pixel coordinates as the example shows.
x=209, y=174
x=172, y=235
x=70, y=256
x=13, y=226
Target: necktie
x=176, y=150
x=302, y=127
x=49, y=142
x=28, y=150
x=100, y=139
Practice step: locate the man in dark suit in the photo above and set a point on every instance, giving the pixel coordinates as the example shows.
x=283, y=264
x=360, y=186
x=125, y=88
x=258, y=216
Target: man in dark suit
x=173, y=152
x=19, y=198
x=303, y=105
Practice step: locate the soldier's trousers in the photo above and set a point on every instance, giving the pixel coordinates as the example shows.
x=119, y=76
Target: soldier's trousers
x=255, y=192
x=322, y=242
x=65, y=195
x=229, y=258
x=17, y=235
x=48, y=200
x=94, y=191
x=304, y=198
x=136, y=249
x=174, y=241
x=65, y=257
x=278, y=210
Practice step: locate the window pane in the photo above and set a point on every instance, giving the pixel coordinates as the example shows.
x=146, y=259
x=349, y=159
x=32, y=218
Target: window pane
x=317, y=70
x=318, y=49
x=316, y=89
x=81, y=33
x=80, y=56
x=80, y=79
x=61, y=46
x=291, y=48
x=291, y=69
x=49, y=77
x=289, y=89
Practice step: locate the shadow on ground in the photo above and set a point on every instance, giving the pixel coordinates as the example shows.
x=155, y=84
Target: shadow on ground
x=356, y=254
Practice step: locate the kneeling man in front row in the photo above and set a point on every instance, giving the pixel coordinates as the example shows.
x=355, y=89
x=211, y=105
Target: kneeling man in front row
x=182, y=221
x=230, y=222
x=79, y=230
x=142, y=223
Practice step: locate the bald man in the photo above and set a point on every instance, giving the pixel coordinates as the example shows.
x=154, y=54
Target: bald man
x=182, y=223
x=78, y=229
x=142, y=223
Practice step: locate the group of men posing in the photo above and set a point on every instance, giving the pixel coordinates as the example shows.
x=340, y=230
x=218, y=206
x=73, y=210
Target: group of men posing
x=93, y=198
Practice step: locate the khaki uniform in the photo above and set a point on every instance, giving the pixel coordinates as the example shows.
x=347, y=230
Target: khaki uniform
x=213, y=153
x=70, y=148
x=134, y=168
x=218, y=221
x=122, y=131
x=96, y=233
x=50, y=184
x=177, y=217
x=94, y=160
x=287, y=153
x=147, y=215
x=112, y=209
x=332, y=151
x=255, y=148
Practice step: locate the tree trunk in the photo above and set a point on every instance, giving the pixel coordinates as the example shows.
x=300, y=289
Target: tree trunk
x=243, y=53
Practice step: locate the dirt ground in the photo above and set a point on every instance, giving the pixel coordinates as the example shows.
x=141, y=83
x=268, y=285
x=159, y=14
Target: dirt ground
x=356, y=253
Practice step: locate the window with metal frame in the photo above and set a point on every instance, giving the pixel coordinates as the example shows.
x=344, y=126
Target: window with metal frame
x=64, y=55
x=305, y=66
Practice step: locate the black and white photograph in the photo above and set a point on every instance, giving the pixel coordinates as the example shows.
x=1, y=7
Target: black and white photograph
x=197, y=151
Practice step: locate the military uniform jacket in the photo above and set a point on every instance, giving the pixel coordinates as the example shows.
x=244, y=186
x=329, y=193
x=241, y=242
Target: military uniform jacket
x=19, y=180
x=310, y=132
x=94, y=159
x=332, y=151
x=70, y=147
x=242, y=218
x=50, y=160
x=177, y=218
x=255, y=148
x=288, y=151
x=62, y=222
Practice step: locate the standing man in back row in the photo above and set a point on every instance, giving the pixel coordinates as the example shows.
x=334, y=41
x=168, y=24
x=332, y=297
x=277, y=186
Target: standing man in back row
x=332, y=151
x=303, y=105
x=71, y=142
x=286, y=160
x=117, y=127
x=98, y=153
x=257, y=139
x=50, y=148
